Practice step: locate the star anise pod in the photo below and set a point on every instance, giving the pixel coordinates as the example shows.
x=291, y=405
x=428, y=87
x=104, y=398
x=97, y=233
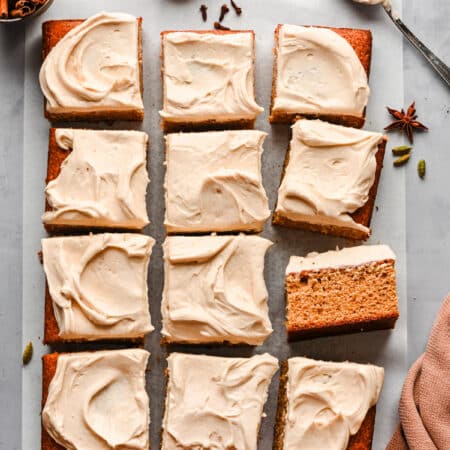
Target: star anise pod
x=406, y=122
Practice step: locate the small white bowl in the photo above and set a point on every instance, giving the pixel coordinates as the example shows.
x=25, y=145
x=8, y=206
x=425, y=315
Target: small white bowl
x=38, y=11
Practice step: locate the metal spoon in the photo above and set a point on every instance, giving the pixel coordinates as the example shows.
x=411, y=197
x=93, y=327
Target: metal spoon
x=439, y=66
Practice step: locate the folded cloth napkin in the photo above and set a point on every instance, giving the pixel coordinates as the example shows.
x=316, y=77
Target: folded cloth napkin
x=424, y=407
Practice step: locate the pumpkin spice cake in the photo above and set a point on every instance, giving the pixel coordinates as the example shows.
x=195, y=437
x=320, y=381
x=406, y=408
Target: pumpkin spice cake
x=96, y=287
x=96, y=179
x=330, y=179
x=213, y=182
x=326, y=405
x=208, y=80
x=342, y=291
x=215, y=402
x=321, y=73
x=207, y=297
x=95, y=400
x=92, y=69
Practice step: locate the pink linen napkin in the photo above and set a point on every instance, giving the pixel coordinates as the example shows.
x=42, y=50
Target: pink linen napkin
x=424, y=407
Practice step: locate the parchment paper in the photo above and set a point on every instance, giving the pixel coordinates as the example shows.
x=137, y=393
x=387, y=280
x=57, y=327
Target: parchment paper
x=385, y=348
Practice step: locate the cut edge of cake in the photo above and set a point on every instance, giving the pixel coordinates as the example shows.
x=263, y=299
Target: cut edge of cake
x=311, y=311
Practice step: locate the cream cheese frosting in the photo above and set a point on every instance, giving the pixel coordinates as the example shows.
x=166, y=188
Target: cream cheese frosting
x=208, y=76
x=318, y=72
x=327, y=402
x=214, y=402
x=213, y=182
x=102, y=182
x=346, y=257
x=97, y=400
x=95, y=66
x=208, y=296
x=329, y=175
x=98, y=284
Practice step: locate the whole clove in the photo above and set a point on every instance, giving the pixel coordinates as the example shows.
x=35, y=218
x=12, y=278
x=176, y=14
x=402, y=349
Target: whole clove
x=219, y=26
x=223, y=11
x=236, y=8
x=204, y=11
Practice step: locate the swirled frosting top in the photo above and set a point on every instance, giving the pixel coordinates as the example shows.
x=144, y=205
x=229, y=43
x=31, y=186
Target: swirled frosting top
x=318, y=72
x=214, y=402
x=102, y=182
x=329, y=175
x=213, y=182
x=208, y=75
x=97, y=400
x=98, y=284
x=95, y=66
x=327, y=402
x=208, y=297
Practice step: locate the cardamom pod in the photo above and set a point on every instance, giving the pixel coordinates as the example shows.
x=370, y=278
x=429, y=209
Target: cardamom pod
x=27, y=353
x=421, y=168
x=401, y=150
x=402, y=160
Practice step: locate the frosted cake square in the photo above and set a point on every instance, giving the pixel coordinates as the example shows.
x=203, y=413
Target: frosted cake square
x=208, y=297
x=96, y=179
x=95, y=400
x=96, y=287
x=330, y=179
x=321, y=72
x=208, y=80
x=215, y=402
x=92, y=69
x=327, y=405
x=213, y=182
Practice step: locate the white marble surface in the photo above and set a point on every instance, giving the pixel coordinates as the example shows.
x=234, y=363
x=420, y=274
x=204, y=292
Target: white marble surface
x=427, y=213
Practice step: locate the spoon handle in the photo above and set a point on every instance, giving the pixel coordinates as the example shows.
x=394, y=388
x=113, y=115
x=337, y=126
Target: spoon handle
x=441, y=68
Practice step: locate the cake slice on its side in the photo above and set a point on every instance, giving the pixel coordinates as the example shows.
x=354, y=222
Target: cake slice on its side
x=96, y=180
x=92, y=69
x=326, y=405
x=96, y=288
x=95, y=400
x=208, y=80
x=330, y=179
x=213, y=182
x=215, y=402
x=343, y=291
x=321, y=73
x=208, y=297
